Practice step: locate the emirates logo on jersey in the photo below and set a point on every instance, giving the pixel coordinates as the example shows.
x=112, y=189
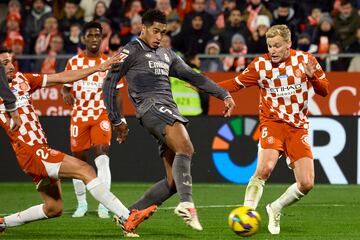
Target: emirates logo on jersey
x=105, y=125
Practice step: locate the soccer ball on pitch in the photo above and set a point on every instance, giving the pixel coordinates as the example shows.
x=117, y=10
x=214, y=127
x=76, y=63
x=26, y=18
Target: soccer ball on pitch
x=244, y=221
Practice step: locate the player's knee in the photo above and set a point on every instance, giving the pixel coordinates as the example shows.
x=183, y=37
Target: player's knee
x=264, y=172
x=54, y=210
x=186, y=149
x=306, y=185
x=86, y=172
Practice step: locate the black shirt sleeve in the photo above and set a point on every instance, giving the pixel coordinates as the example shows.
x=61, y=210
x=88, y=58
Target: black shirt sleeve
x=181, y=70
x=5, y=93
x=114, y=75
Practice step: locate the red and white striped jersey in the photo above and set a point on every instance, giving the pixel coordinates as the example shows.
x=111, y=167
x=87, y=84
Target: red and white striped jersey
x=87, y=92
x=283, y=87
x=30, y=132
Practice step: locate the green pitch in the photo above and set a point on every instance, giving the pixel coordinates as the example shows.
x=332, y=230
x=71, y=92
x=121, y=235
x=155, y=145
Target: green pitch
x=328, y=212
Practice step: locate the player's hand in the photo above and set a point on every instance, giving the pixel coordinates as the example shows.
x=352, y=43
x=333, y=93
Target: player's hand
x=68, y=98
x=310, y=68
x=122, y=132
x=114, y=59
x=14, y=122
x=229, y=106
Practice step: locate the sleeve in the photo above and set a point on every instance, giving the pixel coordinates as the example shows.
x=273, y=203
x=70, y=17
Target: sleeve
x=249, y=77
x=110, y=90
x=181, y=70
x=36, y=81
x=319, y=81
x=5, y=92
x=67, y=68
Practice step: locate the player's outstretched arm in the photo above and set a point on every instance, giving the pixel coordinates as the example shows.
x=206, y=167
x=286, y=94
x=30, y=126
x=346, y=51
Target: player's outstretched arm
x=67, y=96
x=317, y=77
x=229, y=106
x=75, y=75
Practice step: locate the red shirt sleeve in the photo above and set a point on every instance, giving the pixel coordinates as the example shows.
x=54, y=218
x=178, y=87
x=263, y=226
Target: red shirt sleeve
x=36, y=81
x=249, y=77
x=319, y=81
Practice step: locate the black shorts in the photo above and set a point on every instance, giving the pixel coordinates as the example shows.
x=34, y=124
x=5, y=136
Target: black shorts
x=155, y=121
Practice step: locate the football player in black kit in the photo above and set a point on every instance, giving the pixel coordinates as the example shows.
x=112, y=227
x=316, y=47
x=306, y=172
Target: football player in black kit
x=147, y=67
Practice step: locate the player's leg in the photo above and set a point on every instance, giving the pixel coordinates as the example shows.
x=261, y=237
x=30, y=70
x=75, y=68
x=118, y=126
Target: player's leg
x=75, y=168
x=178, y=140
x=163, y=189
x=52, y=206
x=100, y=134
x=267, y=159
x=299, y=150
x=270, y=143
x=80, y=143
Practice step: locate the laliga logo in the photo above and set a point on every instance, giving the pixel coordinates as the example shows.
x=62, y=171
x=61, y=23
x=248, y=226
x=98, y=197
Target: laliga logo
x=230, y=137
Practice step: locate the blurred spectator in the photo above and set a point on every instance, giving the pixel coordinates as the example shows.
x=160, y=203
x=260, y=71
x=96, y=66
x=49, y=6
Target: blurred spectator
x=52, y=64
x=173, y=27
x=16, y=45
x=312, y=20
x=355, y=46
x=285, y=14
x=164, y=6
x=223, y=16
x=73, y=41
x=212, y=64
x=71, y=14
x=193, y=39
x=135, y=29
x=114, y=43
x=166, y=42
x=304, y=42
x=101, y=10
x=198, y=9
x=238, y=48
x=132, y=8
x=336, y=63
x=254, y=8
x=89, y=8
x=354, y=65
x=214, y=7
x=233, y=26
x=14, y=11
x=308, y=5
x=346, y=23
x=323, y=35
x=107, y=31
x=257, y=43
x=12, y=28
x=50, y=30
x=35, y=22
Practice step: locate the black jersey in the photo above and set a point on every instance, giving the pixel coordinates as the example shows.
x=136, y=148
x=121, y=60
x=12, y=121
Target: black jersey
x=7, y=96
x=147, y=72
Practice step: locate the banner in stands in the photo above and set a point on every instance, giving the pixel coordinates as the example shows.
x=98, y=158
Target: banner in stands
x=225, y=151
x=344, y=98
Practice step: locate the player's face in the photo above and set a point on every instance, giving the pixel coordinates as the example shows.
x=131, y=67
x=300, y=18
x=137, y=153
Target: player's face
x=153, y=34
x=6, y=59
x=279, y=49
x=93, y=39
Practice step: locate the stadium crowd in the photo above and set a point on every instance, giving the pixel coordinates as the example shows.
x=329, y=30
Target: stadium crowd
x=51, y=27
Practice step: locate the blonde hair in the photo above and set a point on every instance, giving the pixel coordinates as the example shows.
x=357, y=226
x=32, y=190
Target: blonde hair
x=279, y=30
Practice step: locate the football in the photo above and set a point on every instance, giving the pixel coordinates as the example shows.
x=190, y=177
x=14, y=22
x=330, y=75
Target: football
x=244, y=221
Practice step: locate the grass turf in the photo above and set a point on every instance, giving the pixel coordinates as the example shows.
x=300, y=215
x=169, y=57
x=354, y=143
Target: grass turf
x=328, y=212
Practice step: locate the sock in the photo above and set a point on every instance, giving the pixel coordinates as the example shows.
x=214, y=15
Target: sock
x=100, y=192
x=29, y=215
x=254, y=191
x=103, y=170
x=156, y=194
x=182, y=177
x=290, y=196
x=80, y=191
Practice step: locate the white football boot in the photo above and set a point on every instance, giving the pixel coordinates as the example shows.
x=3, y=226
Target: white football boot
x=187, y=211
x=274, y=220
x=103, y=212
x=81, y=210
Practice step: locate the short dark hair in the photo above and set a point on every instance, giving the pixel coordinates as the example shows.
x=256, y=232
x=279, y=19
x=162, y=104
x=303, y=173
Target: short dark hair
x=90, y=25
x=4, y=50
x=153, y=15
